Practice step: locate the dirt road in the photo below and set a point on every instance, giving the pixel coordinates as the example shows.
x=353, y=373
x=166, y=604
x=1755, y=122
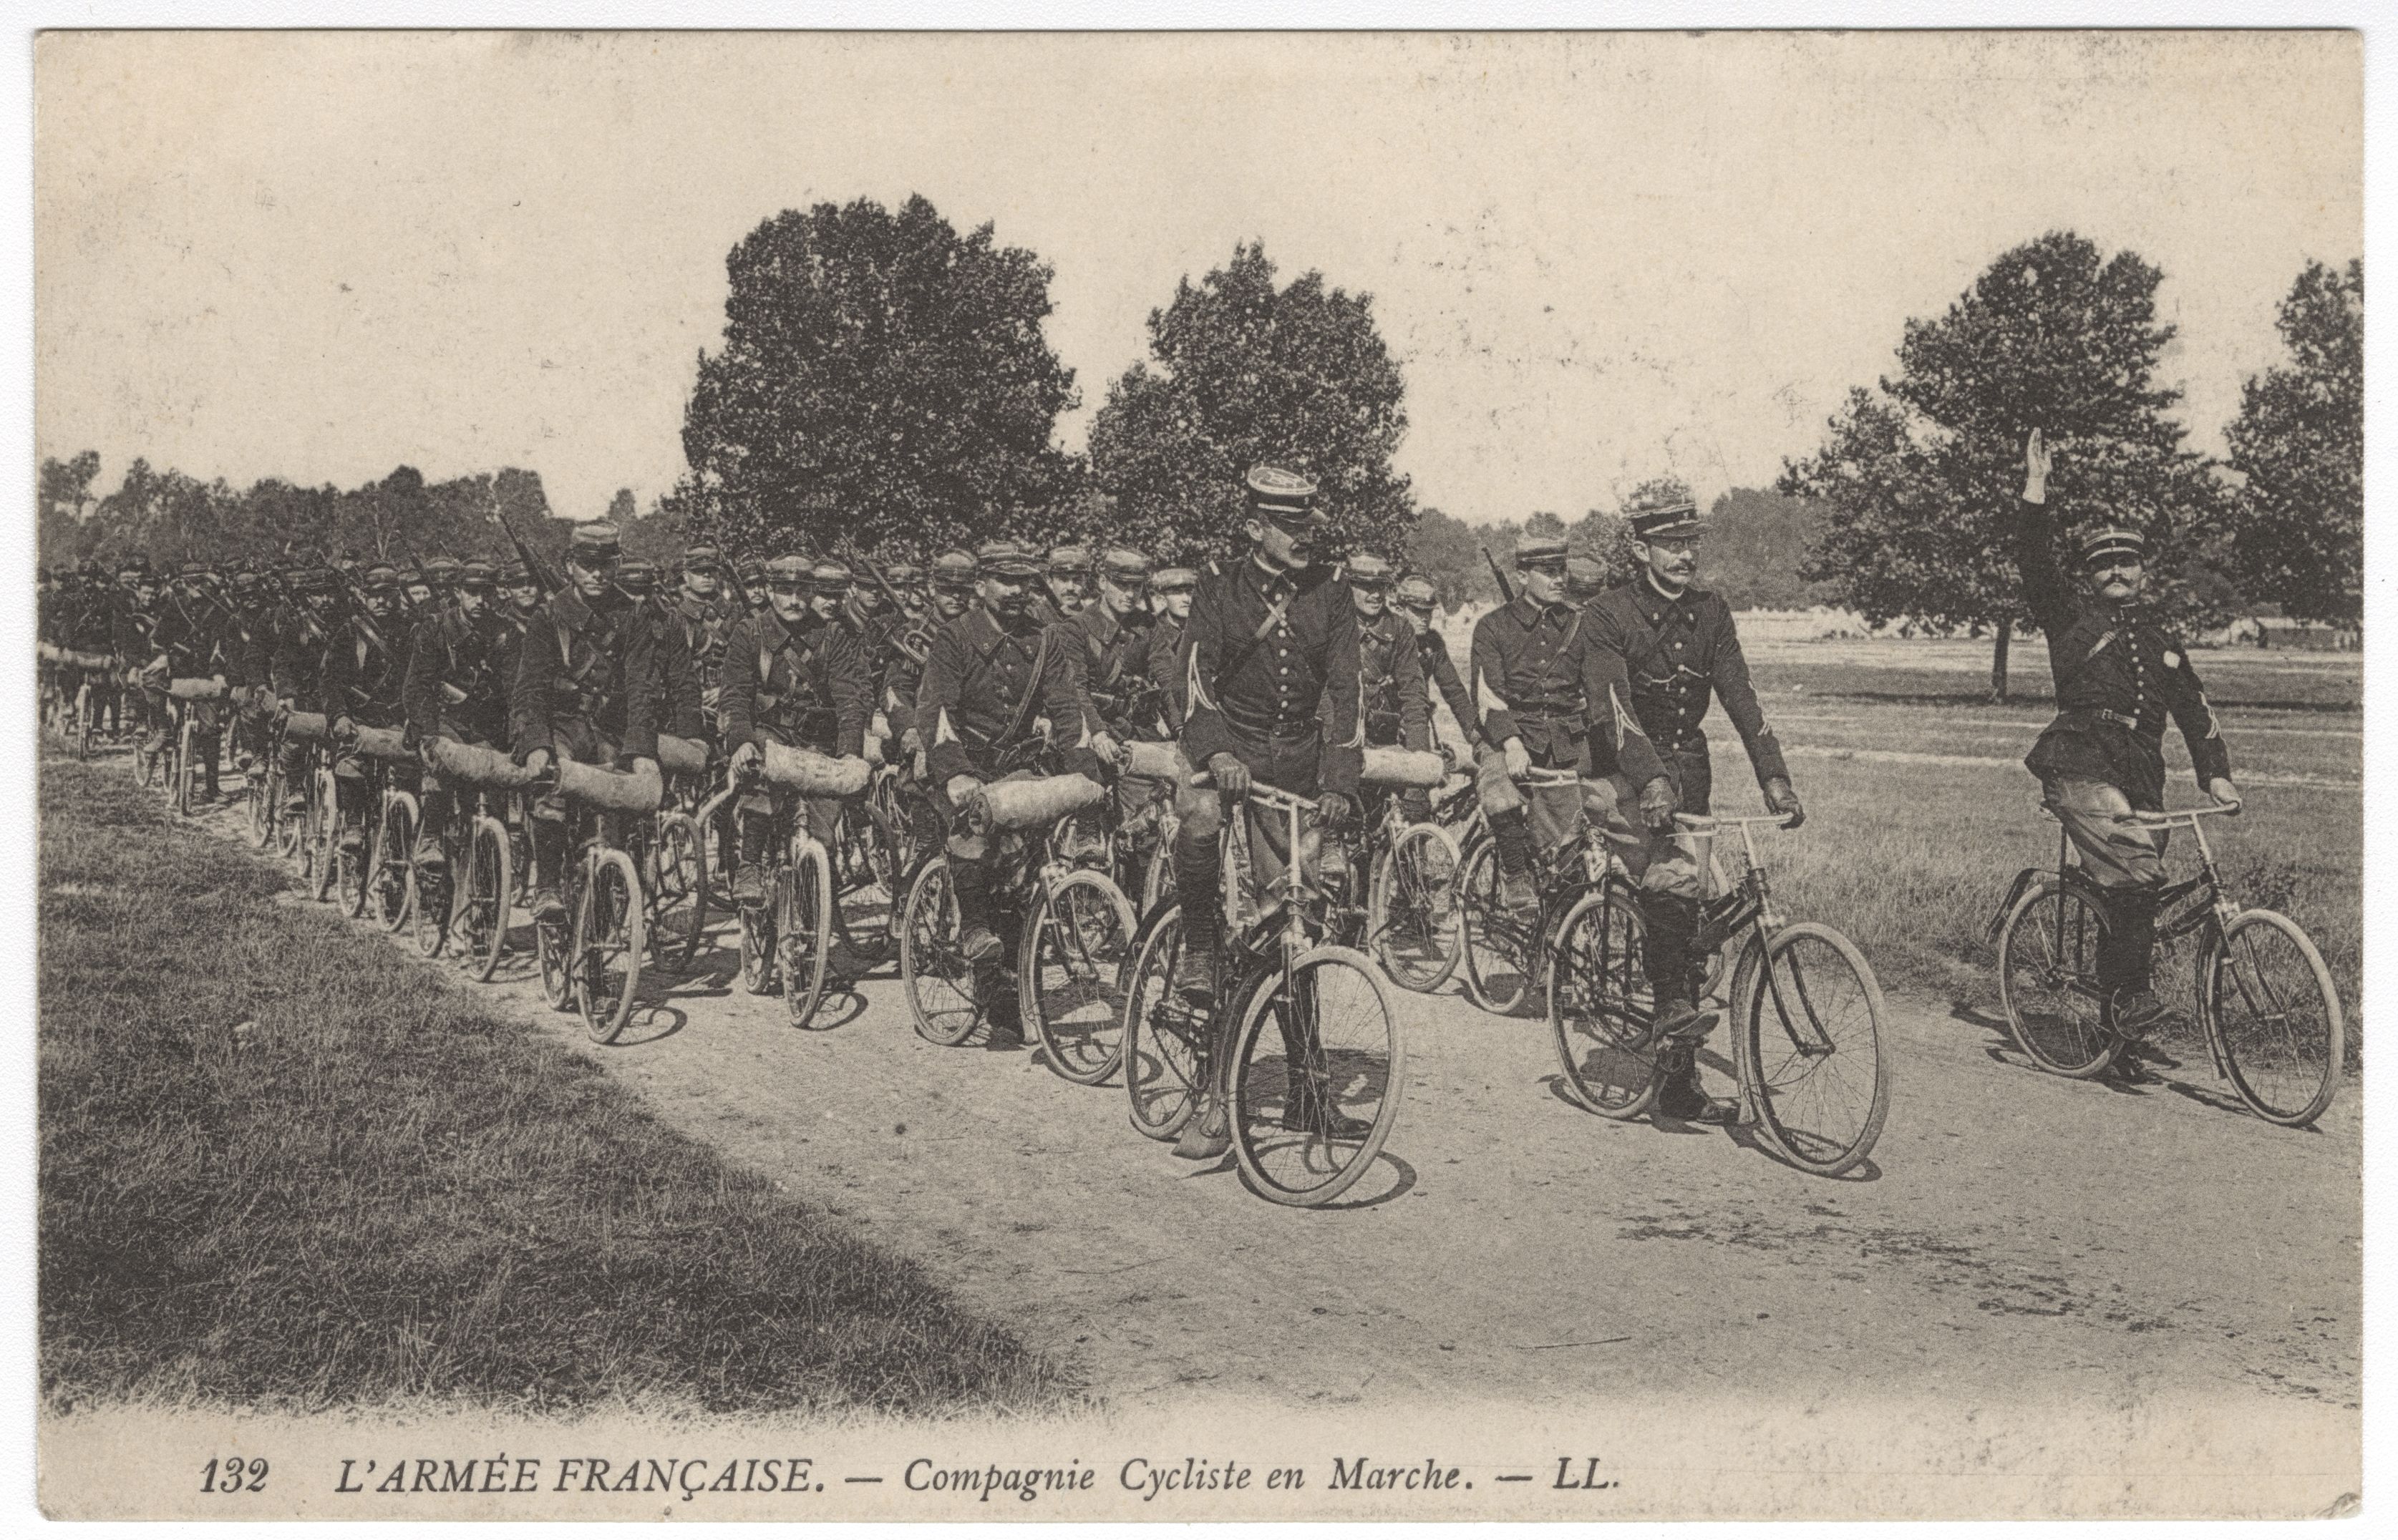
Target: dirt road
x=2016, y=1235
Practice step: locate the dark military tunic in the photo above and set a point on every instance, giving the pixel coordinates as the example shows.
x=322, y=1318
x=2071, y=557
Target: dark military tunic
x=1530, y=664
x=455, y=652
x=705, y=626
x=972, y=707
x=1169, y=670
x=803, y=685
x=362, y=669
x=588, y=678
x=1273, y=676
x=1390, y=679
x=1116, y=685
x=1655, y=663
x=2119, y=676
x=1439, y=673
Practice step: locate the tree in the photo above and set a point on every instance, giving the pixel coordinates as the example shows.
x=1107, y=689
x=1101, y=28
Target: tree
x=1241, y=372
x=882, y=370
x=2298, y=523
x=1920, y=479
x=1448, y=551
x=64, y=492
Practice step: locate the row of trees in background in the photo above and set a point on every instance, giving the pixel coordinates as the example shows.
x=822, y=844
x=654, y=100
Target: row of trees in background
x=1919, y=476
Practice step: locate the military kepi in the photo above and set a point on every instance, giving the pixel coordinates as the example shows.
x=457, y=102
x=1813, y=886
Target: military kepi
x=1283, y=495
x=1673, y=518
x=2114, y=541
x=594, y=542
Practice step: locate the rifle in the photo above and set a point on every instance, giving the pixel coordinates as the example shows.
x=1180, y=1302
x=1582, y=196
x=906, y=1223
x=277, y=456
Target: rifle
x=908, y=635
x=1506, y=589
x=547, y=581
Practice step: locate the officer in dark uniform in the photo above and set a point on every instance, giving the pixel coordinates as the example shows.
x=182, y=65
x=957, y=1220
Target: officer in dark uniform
x=683, y=711
x=951, y=593
x=589, y=688
x=359, y=681
x=706, y=618
x=752, y=575
x=455, y=688
x=990, y=674
x=1271, y=688
x=790, y=677
x=1661, y=649
x=1067, y=578
x=1169, y=670
x=1417, y=599
x=2119, y=676
x=1530, y=666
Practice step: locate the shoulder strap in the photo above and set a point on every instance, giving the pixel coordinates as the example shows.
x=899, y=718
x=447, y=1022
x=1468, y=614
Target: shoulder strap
x=1032, y=687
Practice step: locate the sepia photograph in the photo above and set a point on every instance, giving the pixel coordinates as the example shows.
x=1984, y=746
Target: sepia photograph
x=1071, y=776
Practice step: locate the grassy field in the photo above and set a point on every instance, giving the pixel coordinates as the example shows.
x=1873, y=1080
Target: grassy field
x=281, y=1166
x=1920, y=809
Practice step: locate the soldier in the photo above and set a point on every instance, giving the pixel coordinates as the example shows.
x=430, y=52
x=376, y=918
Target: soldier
x=306, y=639
x=1417, y=599
x=1659, y=648
x=359, y=680
x=1067, y=578
x=990, y=674
x=794, y=678
x=1529, y=663
x=1272, y=696
x=1167, y=669
x=91, y=628
x=952, y=583
x=589, y=688
x=1390, y=674
x=454, y=689
x=706, y=618
x=415, y=592
x=248, y=654
x=441, y=575
x=907, y=580
x=683, y=711
x=188, y=643
x=2119, y=676
x=753, y=585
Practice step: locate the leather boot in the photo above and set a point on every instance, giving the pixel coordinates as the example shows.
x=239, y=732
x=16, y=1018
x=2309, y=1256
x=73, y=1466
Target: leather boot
x=1513, y=837
x=1678, y=1094
x=1312, y=1109
x=1669, y=922
x=750, y=880
x=548, y=856
x=2127, y=956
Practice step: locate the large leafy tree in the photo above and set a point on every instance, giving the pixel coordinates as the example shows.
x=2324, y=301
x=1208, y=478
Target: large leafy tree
x=881, y=379
x=2298, y=523
x=1919, y=477
x=1240, y=372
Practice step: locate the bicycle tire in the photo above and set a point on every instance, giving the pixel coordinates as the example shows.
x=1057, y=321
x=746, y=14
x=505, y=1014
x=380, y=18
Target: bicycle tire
x=356, y=870
x=1070, y=976
x=2265, y=1002
x=1601, y=1007
x=677, y=892
x=803, y=928
x=867, y=909
x=756, y=925
x=1498, y=975
x=489, y=899
x=1163, y=1066
x=933, y=968
x=1412, y=915
x=395, y=866
x=1306, y=1167
x=260, y=785
x=324, y=823
x=2048, y=966
x=83, y=722
x=179, y=780
x=1814, y=1117
x=551, y=941
x=432, y=904
x=608, y=944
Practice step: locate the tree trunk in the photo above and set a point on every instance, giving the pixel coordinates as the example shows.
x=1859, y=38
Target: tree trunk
x=2006, y=630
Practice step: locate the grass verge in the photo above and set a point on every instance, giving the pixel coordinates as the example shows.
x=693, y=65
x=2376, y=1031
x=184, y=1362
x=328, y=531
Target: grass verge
x=282, y=1166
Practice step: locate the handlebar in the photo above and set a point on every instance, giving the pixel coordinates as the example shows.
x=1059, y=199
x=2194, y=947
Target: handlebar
x=1708, y=823
x=1265, y=796
x=2178, y=818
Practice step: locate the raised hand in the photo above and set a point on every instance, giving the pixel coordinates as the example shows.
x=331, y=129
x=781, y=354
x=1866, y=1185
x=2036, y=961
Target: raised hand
x=2035, y=466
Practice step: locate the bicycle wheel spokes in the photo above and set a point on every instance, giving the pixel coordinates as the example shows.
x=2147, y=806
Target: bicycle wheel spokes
x=1164, y=1057
x=1074, y=981
x=1318, y=1075
x=933, y=965
x=1498, y=955
x=803, y=929
x=677, y=892
x=606, y=949
x=1600, y=1005
x=1812, y=1037
x=2048, y=981
x=2277, y=1016
x=870, y=886
x=1417, y=924
x=482, y=919
x=395, y=840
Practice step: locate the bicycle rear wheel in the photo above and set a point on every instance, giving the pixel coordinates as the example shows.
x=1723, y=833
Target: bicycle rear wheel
x=933, y=966
x=185, y=772
x=677, y=892
x=261, y=784
x=2048, y=980
x=1318, y=1071
x=1817, y=1064
x=1601, y=1005
x=2270, y=1004
x=394, y=845
x=83, y=722
x=757, y=926
x=607, y=944
x=1412, y=916
x=1164, y=1056
x=323, y=825
x=482, y=917
x=1501, y=959
x=432, y=893
x=1070, y=976
x=868, y=885
x=803, y=928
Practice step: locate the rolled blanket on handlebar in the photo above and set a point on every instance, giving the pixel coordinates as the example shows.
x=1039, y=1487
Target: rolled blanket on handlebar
x=813, y=774
x=196, y=689
x=47, y=651
x=304, y=726
x=1158, y=761
x=473, y=765
x=382, y=743
x=681, y=756
x=1390, y=767
x=617, y=791
x=86, y=659
x=1040, y=801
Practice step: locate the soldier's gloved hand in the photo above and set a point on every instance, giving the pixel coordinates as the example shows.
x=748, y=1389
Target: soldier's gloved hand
x=536, y=761
x=1783, y=799
x=745, y=759
x=1519, y=759
x=2224, y=793
x=1658, y=802
x=640, y=764
x=1110, y=753
x=1333, y=809
x=1231, y=776
x=345, y=727
x=911, y=743
x=968, y=795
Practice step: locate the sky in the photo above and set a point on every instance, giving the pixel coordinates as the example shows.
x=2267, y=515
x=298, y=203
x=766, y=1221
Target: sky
x=1598, y=258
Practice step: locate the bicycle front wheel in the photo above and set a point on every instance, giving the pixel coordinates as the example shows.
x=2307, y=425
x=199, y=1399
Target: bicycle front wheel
x=677, y=892
x=606, y=949
x=185, y=773
x=83, y=722
x=933, y=966
x=1164, y=1055
x=1601, y=1005
x=2048, y=980
x=1413, y=916
x=1070, y=979
x=868, y=886
x=1318, y=1071
x=1818, y=1063
x=1502, y=955
x=261, y=784
x=482, y=919
x=803, y=928
x=395, y=884
x=2271, y=1006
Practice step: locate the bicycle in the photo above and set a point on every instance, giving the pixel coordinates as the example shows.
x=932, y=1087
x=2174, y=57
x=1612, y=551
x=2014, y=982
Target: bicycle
x=1312, y=1102
x=2266, y=1004
x=382, y=877
x=590, y=961
x=1810, y=1053
x=1412, y=927
x=1503, y=958
x=476, y=840
x=673, y=858
x=786, y=936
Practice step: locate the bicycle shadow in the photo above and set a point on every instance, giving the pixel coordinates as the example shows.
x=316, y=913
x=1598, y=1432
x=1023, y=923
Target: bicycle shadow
x=661, y=1019
x=841, y=1005
x=1402, y=1175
